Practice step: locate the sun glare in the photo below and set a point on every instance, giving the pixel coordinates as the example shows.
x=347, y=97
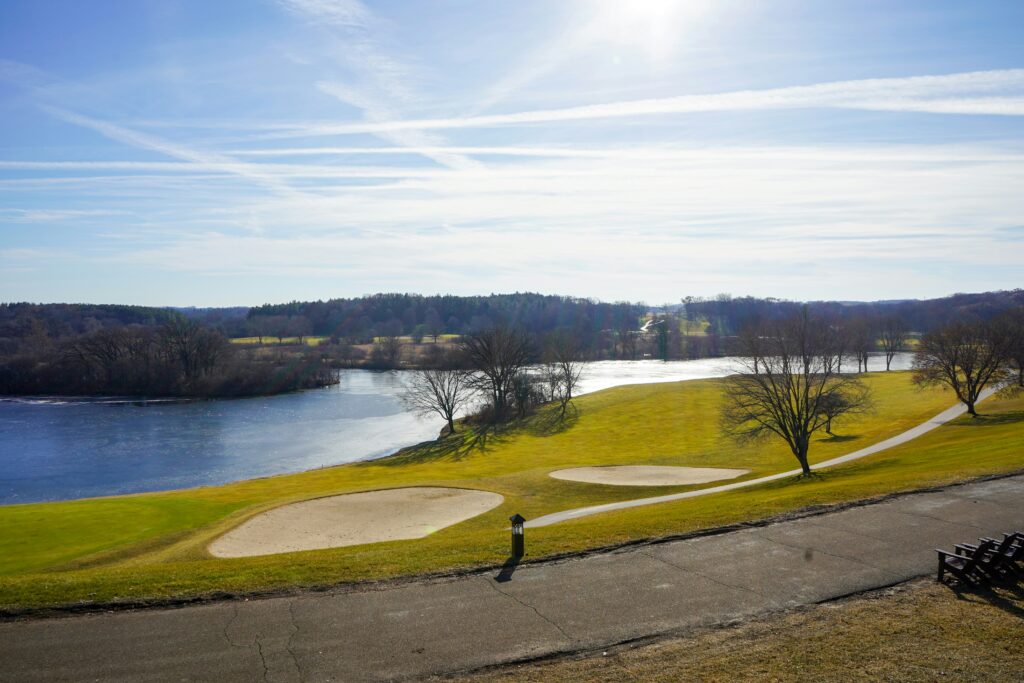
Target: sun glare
x=655, y=27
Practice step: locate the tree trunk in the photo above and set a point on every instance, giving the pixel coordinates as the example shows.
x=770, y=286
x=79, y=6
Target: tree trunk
x=451, y=426
x=804, y=466
x=970, y=409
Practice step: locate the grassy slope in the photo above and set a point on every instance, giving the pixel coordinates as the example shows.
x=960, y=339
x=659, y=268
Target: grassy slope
x=153, y=545
x=919, y=632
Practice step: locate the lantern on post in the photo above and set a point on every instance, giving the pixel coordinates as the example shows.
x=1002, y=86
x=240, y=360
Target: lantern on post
x=518, y=540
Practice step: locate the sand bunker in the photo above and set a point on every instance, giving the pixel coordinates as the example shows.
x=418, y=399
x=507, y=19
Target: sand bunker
x=354, y=519
x=646, y=475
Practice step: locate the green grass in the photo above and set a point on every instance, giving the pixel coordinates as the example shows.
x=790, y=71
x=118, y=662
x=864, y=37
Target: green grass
x=153, y=545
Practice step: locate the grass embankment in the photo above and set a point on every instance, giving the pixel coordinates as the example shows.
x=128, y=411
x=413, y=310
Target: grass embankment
x=921, y=631
x=153, y=545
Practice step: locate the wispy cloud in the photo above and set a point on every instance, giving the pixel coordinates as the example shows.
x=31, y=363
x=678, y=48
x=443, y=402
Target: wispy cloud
x=347, y=13
x=997, y=92
x=201, y=159
x=383, y=79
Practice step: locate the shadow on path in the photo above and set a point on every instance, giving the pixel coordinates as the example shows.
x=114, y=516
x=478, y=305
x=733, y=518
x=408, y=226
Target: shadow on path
x=505, y=575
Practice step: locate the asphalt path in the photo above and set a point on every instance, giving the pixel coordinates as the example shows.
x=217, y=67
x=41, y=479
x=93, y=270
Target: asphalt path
x=912, y=433
x=420, y=629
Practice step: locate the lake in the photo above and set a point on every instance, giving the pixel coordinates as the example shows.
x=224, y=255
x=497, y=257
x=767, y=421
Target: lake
x=60, y=449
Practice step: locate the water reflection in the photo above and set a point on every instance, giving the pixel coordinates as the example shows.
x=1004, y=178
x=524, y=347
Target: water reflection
x=57, y=449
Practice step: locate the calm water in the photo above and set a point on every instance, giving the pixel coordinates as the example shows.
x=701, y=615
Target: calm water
x=61, y=449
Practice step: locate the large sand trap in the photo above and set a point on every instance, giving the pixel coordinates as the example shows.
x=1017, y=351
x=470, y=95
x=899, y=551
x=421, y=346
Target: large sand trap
x=353, y=519
x=646, y=475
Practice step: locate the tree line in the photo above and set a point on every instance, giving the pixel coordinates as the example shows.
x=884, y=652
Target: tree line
x=178, y=357
x=727, y=315
x=364, y=319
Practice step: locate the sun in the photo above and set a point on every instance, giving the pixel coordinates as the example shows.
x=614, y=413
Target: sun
x=655, y=27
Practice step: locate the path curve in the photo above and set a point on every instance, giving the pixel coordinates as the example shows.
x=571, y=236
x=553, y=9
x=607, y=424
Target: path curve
x=912, y=433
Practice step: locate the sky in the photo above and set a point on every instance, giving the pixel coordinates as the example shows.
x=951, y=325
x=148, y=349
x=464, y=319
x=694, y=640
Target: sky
x=238, y=152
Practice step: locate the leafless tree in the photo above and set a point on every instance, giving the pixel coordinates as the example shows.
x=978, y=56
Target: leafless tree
x=563, y=355
x=441, y=391
x=300, y=327
x=498, y=355
x=893, y=335
x=834, y=405
x=195, y=348
x=749, y=340
x=964, y=356
x=860, y=341
x=432, y=324
x=387, y=351
x=1012, y=325
x=626, y=336
x=798, y=389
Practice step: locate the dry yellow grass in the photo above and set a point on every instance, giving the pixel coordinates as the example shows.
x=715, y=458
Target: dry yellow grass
x=921, y=631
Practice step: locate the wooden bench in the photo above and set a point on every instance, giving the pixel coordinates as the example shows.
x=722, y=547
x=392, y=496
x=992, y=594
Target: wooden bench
x=967, y=569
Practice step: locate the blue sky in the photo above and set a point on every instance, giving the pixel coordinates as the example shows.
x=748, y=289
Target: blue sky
x=232, y=153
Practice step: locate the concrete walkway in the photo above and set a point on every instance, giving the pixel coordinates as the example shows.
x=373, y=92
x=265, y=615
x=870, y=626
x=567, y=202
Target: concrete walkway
x=420, y=629
x=912, y=433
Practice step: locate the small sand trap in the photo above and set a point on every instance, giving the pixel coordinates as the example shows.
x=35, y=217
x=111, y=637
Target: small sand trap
x=646, y=475
x=354, y=519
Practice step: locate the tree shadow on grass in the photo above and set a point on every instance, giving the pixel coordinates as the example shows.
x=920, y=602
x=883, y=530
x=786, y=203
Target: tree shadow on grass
x=839, y=438
x=478, y=437
x=450, y=448
x=551, y=421
x=983, y=420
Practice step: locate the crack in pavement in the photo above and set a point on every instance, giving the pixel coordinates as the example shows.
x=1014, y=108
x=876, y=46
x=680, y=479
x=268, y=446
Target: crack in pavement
x=263, y=660
x=937, y=519
x=704, y=576
x=227, y=627
x=291, y=636
x=558, y=628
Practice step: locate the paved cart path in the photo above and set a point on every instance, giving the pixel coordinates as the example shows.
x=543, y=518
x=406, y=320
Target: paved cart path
x=415, y=630
x=912, y=433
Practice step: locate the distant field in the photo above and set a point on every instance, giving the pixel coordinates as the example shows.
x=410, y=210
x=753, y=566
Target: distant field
x=316, y=341
x=427, y=339
x=308, y=341
x=153, y=545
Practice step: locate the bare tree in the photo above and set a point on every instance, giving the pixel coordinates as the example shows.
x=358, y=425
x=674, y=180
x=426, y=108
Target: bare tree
x=432, y=323
x=860, y=341
x=964, y=356
x=441, y=391
x=1012, y=323
x=195, y=348
x=749, y=339
x=626, y=336
x=300, y=327
x=798, y=389
x=834, y=405
x=387, y=352
x=563, y=354
x=893, y=335
x=498, y=354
